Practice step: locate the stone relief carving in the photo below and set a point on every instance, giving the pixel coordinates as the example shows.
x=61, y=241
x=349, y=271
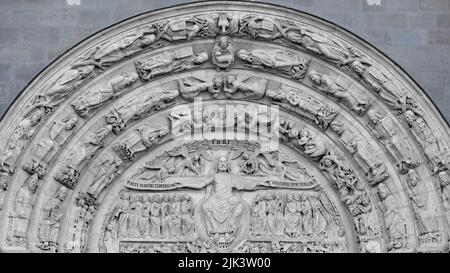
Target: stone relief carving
x=278, y=61
x=378, y=81
x=231, y=85
x=70, y=169
x=20, y=216
x=51, y=220
x=396, y=143
x=315, y=42
x=223, y=53
x=358, y=103
x=66, y=83
x=137, y=107
x=85, y=211
x=352, y=193
x=170, y=62
x=110, y=52
x=221, y=219
x=395, y=222
x=363, y=152
x=18, y=140
x=425, y=212
x=107, y=171
x=139, y=141
x=290, y=98
x=92, y=100
x=424, y=135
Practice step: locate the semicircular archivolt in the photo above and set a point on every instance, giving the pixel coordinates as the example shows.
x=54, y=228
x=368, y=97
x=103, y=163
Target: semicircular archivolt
x=370, y=111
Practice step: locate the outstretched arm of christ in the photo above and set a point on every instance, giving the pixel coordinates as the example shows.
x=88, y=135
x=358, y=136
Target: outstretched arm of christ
x=194, y=182
x=244, y=183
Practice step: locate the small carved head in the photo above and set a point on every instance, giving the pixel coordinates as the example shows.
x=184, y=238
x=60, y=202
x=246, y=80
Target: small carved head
x=223, y=41
x=410, y=116
x=374, y=116
x=222, y=164
x=245, y=55
x=156, y=198
x=413, y=178
x=357, y=67
x=315, y=77
x=70, y=123
x=33, y=183
x=62, y=193
x=383, y=191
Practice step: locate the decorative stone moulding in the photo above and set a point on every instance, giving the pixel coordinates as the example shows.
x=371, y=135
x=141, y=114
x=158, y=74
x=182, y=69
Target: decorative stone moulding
x=209, y=128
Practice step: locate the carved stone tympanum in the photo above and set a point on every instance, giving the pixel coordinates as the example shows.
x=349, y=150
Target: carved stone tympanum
x=224, y=127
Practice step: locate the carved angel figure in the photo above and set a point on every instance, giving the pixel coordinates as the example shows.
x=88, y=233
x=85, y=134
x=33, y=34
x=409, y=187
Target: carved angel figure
x=285, y=62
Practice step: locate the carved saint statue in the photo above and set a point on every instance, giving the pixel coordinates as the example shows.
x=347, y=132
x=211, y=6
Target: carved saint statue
x=424, y=135
x=108, y=171
x=378, y=81
x=317, y=43
x=109, y=53
x=51, y=220
x=168, y=62
x=395, y=223
x=285, y=62
x=223, y=53
x=222, y=210
x=385, y=130
x=64, y=85
x=22, y=210
x=324, y=83
x=18, y=139
x=92, y=100
x=425, y=215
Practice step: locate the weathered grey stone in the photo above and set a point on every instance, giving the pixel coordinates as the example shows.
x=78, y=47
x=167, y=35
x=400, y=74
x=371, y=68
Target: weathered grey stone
x=434, y=5
x=107, y=150
x=422, y=20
